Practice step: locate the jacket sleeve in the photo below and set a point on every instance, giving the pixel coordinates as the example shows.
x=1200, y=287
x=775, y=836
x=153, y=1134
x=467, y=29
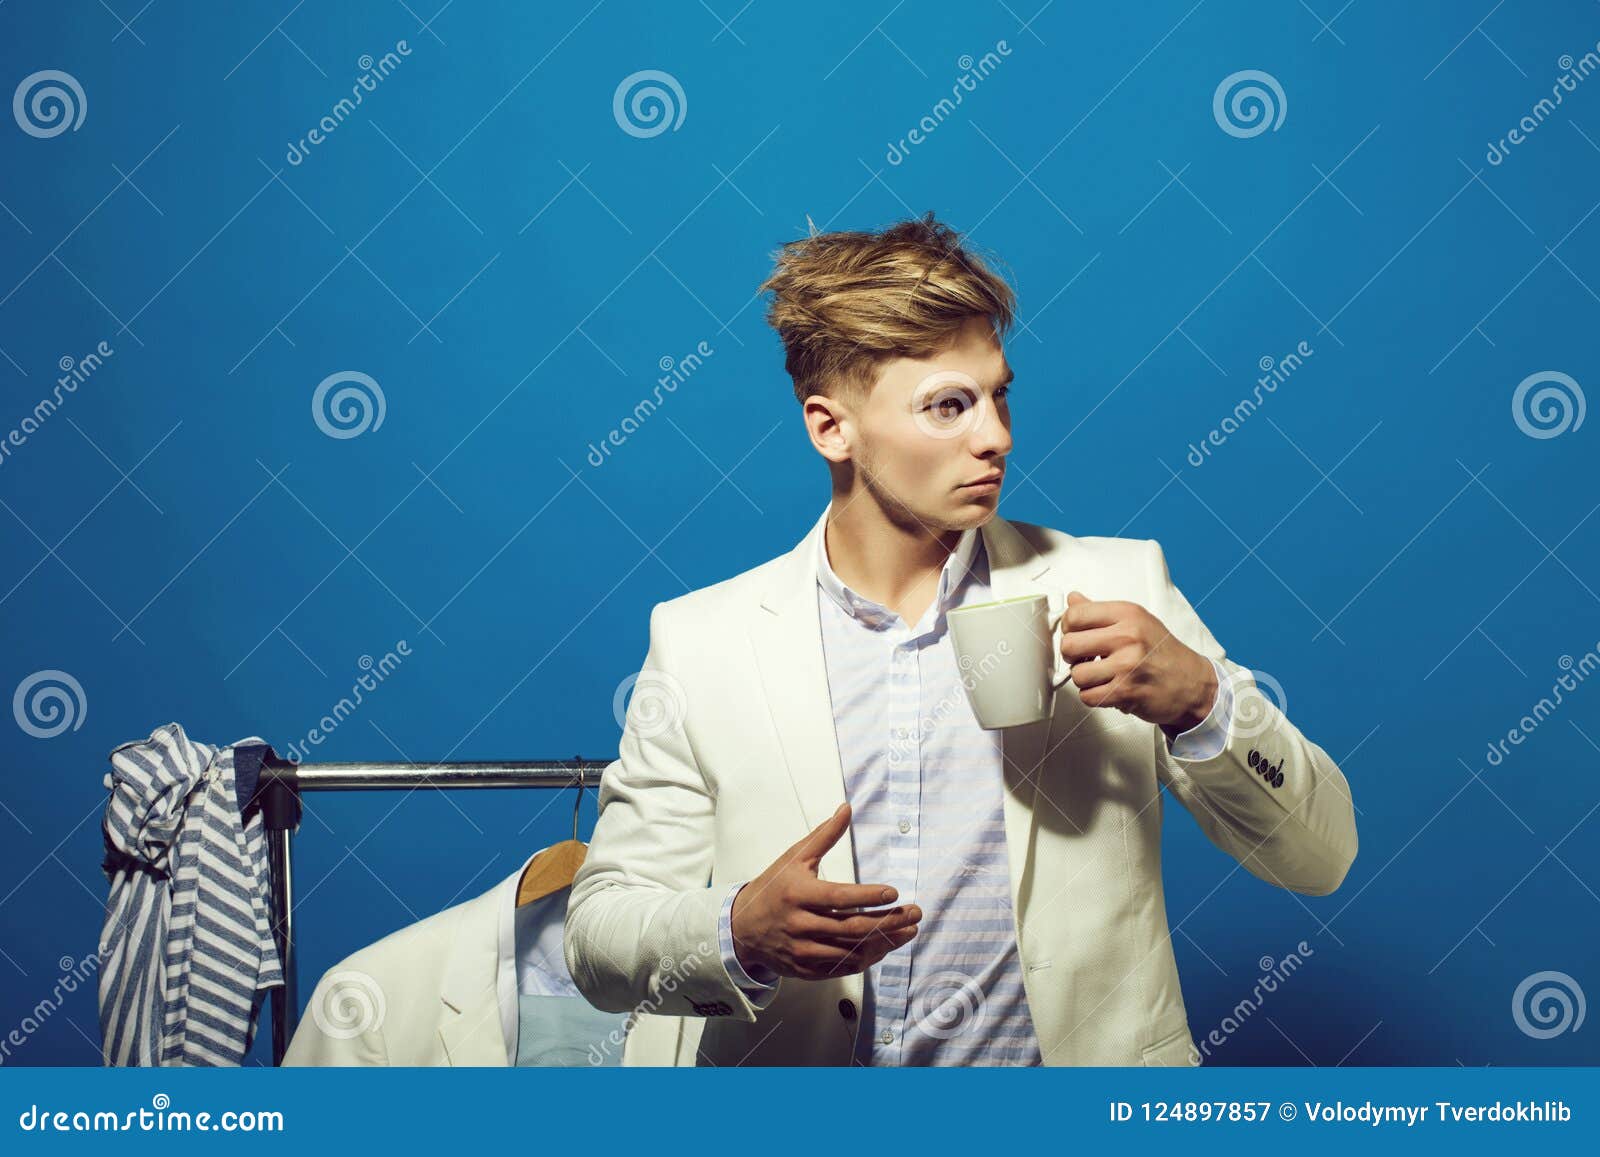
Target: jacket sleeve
x=641, y=927
x=1271, y=799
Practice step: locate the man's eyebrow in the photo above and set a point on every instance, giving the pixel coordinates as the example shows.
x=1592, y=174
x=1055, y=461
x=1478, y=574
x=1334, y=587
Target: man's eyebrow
x=1006, y=381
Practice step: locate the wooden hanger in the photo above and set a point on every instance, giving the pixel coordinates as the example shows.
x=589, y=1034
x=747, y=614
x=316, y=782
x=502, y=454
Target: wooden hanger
x=555, y=867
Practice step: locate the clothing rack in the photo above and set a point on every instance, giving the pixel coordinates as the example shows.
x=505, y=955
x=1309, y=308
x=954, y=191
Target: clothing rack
x=278, y=791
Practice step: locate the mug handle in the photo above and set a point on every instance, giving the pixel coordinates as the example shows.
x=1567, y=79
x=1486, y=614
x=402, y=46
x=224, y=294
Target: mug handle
x=1057, y=684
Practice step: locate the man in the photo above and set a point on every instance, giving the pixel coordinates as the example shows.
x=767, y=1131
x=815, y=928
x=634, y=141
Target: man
x=888, y=882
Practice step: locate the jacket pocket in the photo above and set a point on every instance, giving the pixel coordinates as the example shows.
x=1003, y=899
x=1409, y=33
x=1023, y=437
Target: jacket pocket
x=1175, y=1050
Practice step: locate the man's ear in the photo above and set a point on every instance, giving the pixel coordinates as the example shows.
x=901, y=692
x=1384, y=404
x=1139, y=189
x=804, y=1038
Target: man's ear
x=823, y=418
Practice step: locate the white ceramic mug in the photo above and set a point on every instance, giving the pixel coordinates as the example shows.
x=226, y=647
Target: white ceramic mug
x=1008, y=653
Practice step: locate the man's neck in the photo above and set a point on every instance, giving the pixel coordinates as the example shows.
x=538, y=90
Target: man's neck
x=890, y=564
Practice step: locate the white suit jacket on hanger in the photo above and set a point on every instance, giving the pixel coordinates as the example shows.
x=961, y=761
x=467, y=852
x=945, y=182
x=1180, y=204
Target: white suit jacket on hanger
x=442, y=991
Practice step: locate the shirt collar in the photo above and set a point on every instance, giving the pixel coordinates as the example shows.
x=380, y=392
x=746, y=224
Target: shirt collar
x=956, y=569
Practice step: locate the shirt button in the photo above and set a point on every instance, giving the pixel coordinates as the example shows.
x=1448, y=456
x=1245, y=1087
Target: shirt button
x=905, y=826
x=886, y=1037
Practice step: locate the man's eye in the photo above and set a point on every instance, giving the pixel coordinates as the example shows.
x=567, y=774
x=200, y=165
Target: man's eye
x=1003, y=392
x=950, y=407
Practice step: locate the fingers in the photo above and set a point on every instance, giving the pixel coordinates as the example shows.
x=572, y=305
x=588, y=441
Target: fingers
x=816, y=960
x=1082, y=612
x=823, y=836
x=849, y=931
x=823, y=895
x=1090, y=644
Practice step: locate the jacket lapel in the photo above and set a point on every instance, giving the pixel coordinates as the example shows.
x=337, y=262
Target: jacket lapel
x=470, y=1025
x=786, y=631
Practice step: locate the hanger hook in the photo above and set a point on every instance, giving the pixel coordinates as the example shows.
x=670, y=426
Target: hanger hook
x=577, y=801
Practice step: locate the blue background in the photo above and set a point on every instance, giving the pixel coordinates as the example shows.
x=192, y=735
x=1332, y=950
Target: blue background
x=483, y=239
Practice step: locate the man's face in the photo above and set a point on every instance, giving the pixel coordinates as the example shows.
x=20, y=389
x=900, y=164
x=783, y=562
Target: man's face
x=931, y=427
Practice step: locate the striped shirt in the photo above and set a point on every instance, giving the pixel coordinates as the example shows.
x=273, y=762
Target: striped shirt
x=927, y=817
x=187, y=950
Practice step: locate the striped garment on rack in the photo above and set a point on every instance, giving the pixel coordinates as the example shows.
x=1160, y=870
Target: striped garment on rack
x=187, y=949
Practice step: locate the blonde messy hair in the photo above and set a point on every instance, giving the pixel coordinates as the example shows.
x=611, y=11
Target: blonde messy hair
x=845, y=303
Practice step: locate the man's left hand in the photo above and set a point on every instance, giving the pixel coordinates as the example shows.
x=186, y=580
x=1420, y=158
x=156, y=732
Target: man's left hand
x=1122, y=656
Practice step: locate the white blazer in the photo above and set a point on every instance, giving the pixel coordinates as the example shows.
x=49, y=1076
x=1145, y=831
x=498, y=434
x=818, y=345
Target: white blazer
x=735, y=758
x=442, y=991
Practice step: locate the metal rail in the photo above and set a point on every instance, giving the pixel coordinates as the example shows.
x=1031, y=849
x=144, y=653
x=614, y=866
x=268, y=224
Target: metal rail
x=279, y=790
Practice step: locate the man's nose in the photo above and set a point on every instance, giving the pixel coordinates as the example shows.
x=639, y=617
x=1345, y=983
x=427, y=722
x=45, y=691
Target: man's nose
x=991, y=436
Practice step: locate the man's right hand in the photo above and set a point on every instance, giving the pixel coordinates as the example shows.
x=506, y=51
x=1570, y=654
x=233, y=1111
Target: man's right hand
x=789, y=921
